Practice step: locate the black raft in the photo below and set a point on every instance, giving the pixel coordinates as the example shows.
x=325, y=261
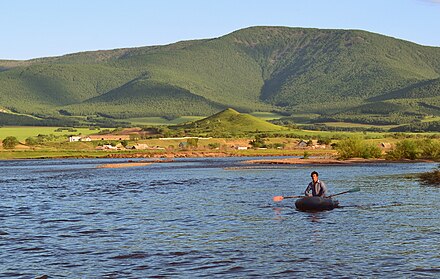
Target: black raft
x=316, y=204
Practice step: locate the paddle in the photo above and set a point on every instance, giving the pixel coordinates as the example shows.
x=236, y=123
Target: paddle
x=280, y=198
x=357, y=189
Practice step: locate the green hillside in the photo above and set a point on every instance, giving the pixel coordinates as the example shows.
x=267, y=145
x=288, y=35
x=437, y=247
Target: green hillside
x=229, y=122
x=338, y=74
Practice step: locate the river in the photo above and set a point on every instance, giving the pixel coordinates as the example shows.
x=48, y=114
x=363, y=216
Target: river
x=214, y=218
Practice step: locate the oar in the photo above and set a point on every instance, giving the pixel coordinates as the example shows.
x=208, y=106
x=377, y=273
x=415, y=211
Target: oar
x=280, y=198
x=357, y=189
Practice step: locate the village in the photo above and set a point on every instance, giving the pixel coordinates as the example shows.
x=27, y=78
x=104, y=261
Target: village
x=120, y=142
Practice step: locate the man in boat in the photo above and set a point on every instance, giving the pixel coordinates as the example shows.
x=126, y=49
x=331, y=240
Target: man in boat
x=316, y=187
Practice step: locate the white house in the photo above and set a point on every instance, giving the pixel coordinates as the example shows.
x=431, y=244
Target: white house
x=74, y=138
x=79, y=138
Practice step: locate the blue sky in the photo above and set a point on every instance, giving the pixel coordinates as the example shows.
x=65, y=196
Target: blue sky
x=31, y=29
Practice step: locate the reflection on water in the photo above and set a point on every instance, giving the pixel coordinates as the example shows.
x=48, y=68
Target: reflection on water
x=213, y=218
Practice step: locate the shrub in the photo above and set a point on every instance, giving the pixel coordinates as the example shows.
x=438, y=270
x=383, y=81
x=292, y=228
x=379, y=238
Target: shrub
x=356, y=148
x=430, y=149
x=405, y=149
x=193, y=142
x=214, y=145
x=10, y=142
x=432, y=178
x=258, y=142
x=324, y=140
x=31, y=141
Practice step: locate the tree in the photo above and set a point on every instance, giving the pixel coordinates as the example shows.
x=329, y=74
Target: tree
x=31, y=141
x=258, y=142
x=10, y=142
x=192, y=142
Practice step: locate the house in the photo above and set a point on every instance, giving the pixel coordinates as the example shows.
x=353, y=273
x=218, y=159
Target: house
x=385, y=145
x=74, y=138
x=183, y=144
x=241, y=147
x=79, y=138
x=109, y=137
x=140, y=146
x=302, y=144
x=109, y=147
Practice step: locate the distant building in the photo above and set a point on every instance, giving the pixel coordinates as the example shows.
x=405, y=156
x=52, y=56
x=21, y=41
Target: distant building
x=79, y=138
x=109, y=147
x=302, y=144
x=74, y=138
x=109, y=137
x=183, y=144
x=140, y=146
x=241, y=147
x=385, y=145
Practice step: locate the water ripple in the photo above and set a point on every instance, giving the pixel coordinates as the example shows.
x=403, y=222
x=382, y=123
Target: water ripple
x=196, y=218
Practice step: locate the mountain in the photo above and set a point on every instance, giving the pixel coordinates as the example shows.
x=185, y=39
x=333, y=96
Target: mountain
x=294, y=70
x=229, y=122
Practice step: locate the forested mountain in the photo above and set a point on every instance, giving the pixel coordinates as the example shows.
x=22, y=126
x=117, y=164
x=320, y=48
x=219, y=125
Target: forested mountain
x=294, y=70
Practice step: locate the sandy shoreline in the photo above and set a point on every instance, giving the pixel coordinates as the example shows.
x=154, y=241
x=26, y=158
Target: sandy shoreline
x=328, y=161
x=130, y=164
x=123, y=165
x=284, y=161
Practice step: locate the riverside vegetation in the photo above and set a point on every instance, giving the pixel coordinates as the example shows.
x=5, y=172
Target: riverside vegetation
x=231, y=130
x=222, y=133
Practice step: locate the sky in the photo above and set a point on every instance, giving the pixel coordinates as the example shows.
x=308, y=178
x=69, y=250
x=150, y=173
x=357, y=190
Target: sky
x=32, y=29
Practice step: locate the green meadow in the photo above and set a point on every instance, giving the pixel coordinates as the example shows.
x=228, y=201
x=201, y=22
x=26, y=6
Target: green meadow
x=23, y=132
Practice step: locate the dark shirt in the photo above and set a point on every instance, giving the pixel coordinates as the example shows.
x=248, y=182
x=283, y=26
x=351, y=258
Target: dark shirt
x=319, y=189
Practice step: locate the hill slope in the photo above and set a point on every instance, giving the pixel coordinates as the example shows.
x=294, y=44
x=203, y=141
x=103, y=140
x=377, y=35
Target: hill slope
x=253, y=69
x=229, y=122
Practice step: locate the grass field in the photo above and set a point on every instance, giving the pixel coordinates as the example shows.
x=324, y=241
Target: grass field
x=355, y=125
x=430, y=119
x=23, y=132
x=266, y=115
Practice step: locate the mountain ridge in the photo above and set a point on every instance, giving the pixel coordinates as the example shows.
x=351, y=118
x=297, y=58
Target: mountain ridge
x=261, y=68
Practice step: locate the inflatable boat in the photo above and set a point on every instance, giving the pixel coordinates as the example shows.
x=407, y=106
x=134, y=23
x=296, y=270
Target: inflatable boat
x=315, y=204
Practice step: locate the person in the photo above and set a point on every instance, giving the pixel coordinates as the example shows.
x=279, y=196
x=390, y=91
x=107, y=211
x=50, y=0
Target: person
x=316, y=187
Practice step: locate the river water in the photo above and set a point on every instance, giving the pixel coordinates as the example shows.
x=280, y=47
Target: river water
x=213, y=218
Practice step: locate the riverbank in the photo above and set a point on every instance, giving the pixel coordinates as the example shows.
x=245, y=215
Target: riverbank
x=290, y=157
x=328, y=161
x=156, y=154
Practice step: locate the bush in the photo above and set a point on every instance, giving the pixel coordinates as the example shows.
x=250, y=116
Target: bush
x=192, y=142
x=10, y=142
x=258, y=142
x=430, y=149
x=405, y=149
x=432, y=178
x=31, y=141
x=324, y=140
x=356, y=148
x=214, y=145
x=306, y=155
